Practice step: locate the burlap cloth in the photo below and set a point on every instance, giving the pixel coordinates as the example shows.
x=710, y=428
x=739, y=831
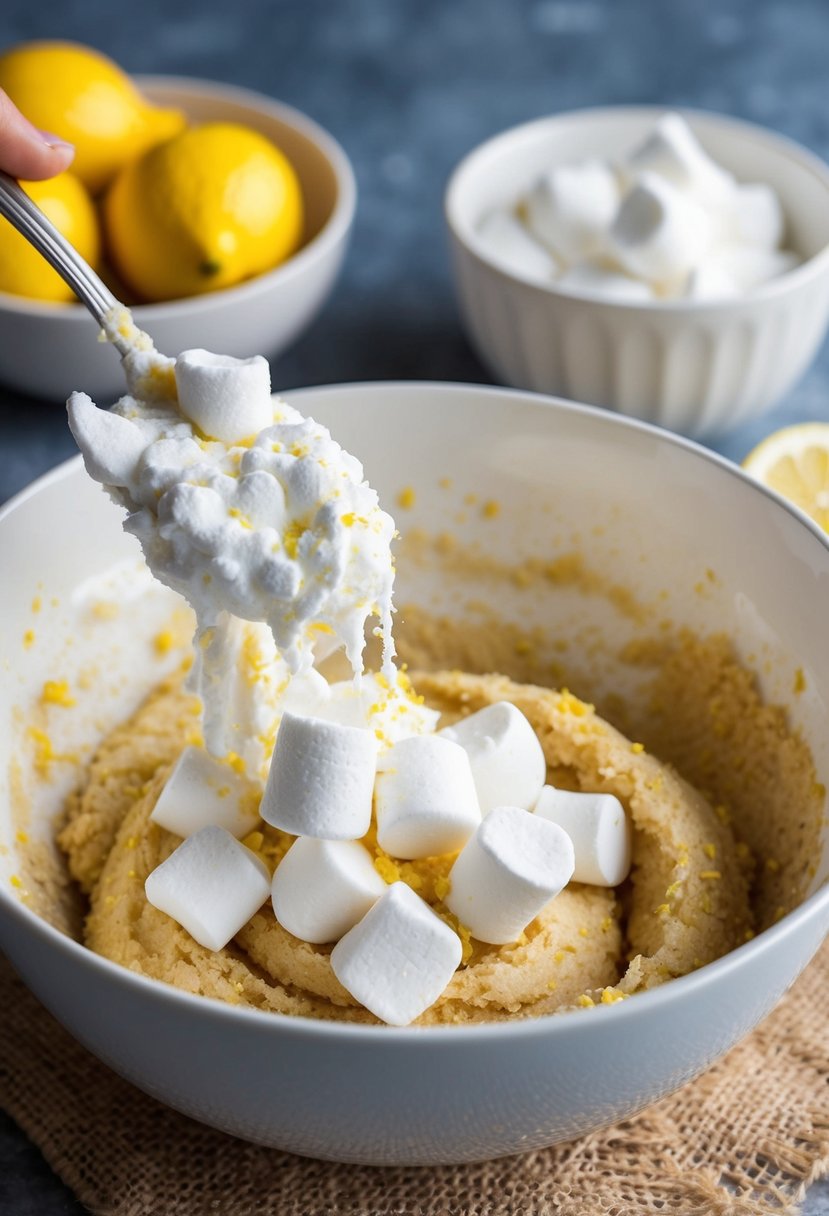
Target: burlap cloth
x=747, y=1137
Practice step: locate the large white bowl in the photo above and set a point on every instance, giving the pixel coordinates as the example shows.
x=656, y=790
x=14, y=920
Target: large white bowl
x=694, y=367
x=49, y=349
x=666, y=510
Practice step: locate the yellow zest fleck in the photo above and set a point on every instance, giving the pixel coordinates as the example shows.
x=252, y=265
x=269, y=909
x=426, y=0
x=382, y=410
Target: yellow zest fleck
x=240, y=517
x=655, y=783
x=710, y=850
x=131, y=874
x=584, y=932
x=254, y=841
x=710, y=875
x=445, y=483
x=442, y=886
x=348, y=519
x=491, y=509
x=606, y=924
x=22, y=837
x=799, y=684
x=236, y=763
x=164, y=641
x=406, y=498
x=299, y=450
x=585, y=1001
x=28, y=638
x=559, y=956
x=386, y=868
x=16, y=881
x=239, y=986
x=56, y=692
x=662, y=910
x=293, y=534
x=551, y=985
x=637, y=748
x=37, y=604
x=673, y=889
x=105, y=610
x=772, y=865
x=611, y=995
x=706, y=904
x=568, y=704
x=131, y=842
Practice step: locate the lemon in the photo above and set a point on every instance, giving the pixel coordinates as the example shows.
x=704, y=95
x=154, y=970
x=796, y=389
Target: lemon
x=795, y=463
x=82, y=96
x=213, y=206
x=67, y=203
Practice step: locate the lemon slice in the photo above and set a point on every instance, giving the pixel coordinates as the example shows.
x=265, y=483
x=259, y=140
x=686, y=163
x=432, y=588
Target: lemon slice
x=795, y=463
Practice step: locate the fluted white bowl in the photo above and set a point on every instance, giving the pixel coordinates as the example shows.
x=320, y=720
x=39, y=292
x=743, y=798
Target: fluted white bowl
x=691, y=366
x=652, y=508
x=47, y=350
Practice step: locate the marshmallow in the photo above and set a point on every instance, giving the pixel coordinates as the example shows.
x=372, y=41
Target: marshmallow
x=228, y=399
x=599, y=829
x=111, y=445
x=751, y=266
x=507, y=872
x=709, y=281
x=321, y=888
x=425, y=798
x=507, y=242
x=755, y=217
x=211, y=885
x=201, y=791
x=659, y=233
x=571, y=207
x=596, y=279
x=673, y=153
x=321, y=779
x=399, y=958
x=508, y=763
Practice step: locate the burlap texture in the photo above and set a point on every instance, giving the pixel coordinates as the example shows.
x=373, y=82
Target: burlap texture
x=746, y=1138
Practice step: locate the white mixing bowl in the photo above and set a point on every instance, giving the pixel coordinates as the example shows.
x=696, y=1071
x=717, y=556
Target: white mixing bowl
x=49, y=349
x=649, y=508
x=694, y=366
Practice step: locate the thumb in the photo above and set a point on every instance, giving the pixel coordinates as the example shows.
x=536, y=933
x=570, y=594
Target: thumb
x=26, y=152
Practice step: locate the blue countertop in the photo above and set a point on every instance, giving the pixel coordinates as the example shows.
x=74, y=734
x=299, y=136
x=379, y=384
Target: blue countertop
x=408, y=87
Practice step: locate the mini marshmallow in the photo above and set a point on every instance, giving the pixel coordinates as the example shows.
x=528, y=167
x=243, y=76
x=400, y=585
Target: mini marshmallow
x=321, y=888
x=228, y=399
x=399, y=958
x=201, y=791
x=425, y=798
x=571, y=207
x=111, y=445
x=659, y=233
x=599, y=829
x=507, y=872
x=709, y=281
x=507, y=760
x=507, y=242
x=211, y=885
x=321, y=779
x=595, y=279
x=751, y=266
x=673, y=153
x=755, y=217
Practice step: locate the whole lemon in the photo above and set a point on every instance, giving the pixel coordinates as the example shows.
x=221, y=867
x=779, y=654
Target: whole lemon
x=67, y=203
x=82, y=96
x=213, y=206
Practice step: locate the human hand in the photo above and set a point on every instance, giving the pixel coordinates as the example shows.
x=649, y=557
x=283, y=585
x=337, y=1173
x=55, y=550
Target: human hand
x=26, y=152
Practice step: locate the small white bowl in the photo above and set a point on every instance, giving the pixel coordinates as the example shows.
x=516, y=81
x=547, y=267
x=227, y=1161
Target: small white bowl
x=695, y=367
x=650, y=507
x=48, y=350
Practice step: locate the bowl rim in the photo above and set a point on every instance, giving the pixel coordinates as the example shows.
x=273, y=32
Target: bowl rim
x=330, y=234
x=465, y=234
x=426, y=1037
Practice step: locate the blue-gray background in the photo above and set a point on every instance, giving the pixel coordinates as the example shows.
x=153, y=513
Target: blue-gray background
x=409, y=86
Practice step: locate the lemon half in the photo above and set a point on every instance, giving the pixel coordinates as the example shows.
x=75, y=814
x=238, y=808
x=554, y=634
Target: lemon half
x=795, y=463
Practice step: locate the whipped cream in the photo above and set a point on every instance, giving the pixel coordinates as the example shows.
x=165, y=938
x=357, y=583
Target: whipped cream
x=665, y=222
x=270, y=523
